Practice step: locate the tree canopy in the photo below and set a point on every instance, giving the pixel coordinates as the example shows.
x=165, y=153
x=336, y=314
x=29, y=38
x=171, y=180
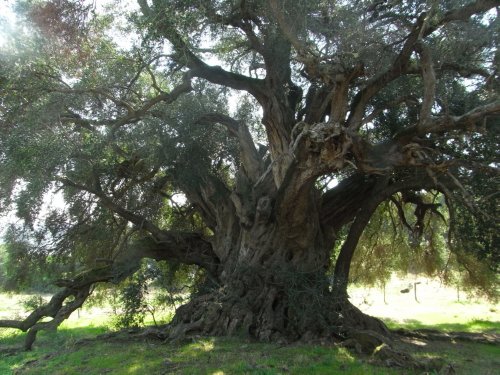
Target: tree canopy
x=260, y=141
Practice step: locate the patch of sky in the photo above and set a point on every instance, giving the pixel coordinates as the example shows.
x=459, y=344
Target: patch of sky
x=8, y=21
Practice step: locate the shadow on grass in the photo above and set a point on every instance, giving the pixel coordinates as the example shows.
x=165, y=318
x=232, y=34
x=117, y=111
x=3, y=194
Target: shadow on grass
x=48, y=344
x=13, y=337
x=79, y=350
x=58, y=355
x=475, y=325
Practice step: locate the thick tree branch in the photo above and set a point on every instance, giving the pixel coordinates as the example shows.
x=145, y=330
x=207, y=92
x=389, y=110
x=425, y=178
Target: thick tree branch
x=241, y=18
x=429, y=82
x=133, y=114
x=211, y=197
x=373, y=86
x=280, y=17
x=343, y=262
x=420, y=30
x=412, y=147
x=254, y=40
x=463, y=70
x=444, y=124
x=61, y=305
x=249, y=154
x=317, y=150
x=198, y=68
x=184, y=247
x=188, y=248
x=164, y=97
x=461, y=14
x=384, y=188
x=342, y=202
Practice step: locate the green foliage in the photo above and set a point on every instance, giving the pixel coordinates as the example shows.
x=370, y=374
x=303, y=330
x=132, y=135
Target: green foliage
x=25, y=268
x=134, y=307
x=388, y=246
x=154, y=288
x=33, y=302
x=3, y=263
x=43, y=96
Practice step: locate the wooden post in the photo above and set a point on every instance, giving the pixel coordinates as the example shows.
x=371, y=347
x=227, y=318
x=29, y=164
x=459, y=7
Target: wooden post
x=383, y=287
x=415, y=290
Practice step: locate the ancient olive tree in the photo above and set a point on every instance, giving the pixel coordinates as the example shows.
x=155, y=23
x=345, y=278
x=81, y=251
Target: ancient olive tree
x=283, y=124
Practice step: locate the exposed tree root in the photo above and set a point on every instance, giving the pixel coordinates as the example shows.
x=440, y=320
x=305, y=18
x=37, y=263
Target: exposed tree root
x=430, y=334
x=384, y=351
x=342, y=324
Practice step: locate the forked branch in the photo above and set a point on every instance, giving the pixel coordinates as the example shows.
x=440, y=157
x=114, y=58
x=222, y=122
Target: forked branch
x=198, y=68
x=64, y=302
x=249, y=154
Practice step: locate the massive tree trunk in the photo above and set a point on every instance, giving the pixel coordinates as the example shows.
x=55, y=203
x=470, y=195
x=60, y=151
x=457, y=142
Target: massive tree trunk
x=275, y=280
x=275, y=277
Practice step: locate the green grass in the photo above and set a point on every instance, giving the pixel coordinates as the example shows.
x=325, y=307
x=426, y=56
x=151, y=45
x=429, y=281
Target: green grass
x=204, y=356
x=466, y=358
x=473, y=325
x=64, y=352
x=47, y=344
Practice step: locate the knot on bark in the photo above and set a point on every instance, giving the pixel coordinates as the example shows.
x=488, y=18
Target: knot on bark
x=323, y=145
x=263, y=210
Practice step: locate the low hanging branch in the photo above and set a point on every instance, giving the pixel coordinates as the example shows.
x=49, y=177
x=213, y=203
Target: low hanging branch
x=188, y=248
x=74, y=293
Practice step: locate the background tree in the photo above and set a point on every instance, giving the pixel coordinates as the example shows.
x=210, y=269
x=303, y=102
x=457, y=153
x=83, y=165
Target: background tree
x=391, y=101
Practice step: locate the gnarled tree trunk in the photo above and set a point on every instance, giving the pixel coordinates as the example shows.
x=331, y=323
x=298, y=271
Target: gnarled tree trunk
x=274, y=280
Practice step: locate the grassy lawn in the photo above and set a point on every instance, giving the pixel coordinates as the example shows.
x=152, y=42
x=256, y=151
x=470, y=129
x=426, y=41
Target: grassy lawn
x=62, y=354
x=203, y=356
x=65, y=351
x=438, y=307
